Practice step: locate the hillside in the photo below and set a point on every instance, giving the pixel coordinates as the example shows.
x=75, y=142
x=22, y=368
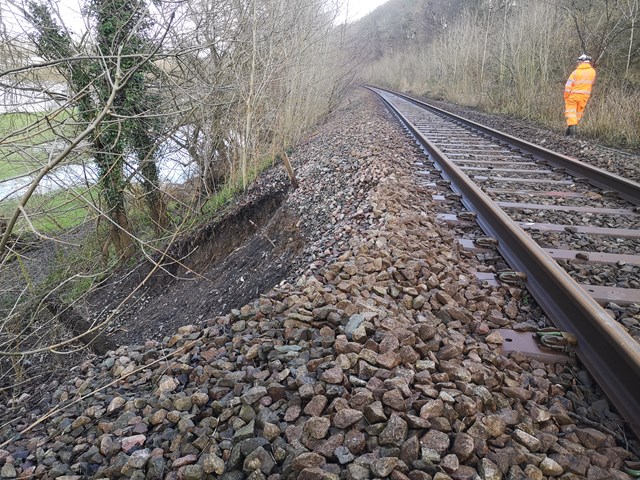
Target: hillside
x=509, y=58
x=400, y=24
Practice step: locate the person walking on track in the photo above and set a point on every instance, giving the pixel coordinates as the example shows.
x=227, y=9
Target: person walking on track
x=577, y=92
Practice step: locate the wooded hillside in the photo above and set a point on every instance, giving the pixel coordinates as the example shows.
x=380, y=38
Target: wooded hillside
x=512, y=57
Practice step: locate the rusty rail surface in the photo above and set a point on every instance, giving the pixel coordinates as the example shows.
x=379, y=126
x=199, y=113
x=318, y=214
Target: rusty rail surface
x=604, y=347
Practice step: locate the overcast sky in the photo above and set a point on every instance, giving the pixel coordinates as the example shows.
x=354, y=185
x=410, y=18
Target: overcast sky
x=359, y=8
x=354, y=9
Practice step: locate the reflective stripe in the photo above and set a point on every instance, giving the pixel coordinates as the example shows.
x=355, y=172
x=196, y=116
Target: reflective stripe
x=581, y=80
x=574, y=108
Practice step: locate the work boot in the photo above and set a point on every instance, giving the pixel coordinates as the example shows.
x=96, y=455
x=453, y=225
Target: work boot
x=571, y=131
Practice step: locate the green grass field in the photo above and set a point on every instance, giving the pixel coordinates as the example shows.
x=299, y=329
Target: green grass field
x=50, y=213
x=23, y=138
x=23, y=141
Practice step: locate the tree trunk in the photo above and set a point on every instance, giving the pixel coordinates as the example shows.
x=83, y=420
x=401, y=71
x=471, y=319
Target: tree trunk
x=633, y=24
x=155, y=200
x=78, y=325
x=249, y=101
x=120, y=236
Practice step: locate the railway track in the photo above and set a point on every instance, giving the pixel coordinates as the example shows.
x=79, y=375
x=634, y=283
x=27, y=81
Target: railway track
x=569, y=231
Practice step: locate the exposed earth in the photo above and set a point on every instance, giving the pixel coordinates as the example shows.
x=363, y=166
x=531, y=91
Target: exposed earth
x=262, y=239
x=331, y=331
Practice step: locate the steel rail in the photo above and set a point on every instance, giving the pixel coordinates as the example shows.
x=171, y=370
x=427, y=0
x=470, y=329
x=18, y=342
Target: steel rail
x=604, y=347
x=627, y=189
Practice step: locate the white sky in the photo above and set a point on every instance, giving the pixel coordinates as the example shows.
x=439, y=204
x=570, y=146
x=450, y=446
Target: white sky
x=69, y=10
x=359, y=8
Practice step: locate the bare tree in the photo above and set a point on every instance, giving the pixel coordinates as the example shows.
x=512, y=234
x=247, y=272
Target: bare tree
x=252, y=66
x=630, y=9
x=120, y=43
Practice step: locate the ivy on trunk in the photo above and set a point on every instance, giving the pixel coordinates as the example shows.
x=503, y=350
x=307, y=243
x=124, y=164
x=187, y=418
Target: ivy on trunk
x=121, y=48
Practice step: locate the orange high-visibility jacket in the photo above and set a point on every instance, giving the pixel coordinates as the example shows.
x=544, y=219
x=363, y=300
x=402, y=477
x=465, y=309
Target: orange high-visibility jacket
x=580, y=81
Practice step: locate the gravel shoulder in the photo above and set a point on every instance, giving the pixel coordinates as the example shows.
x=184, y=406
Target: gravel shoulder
x=374, y=354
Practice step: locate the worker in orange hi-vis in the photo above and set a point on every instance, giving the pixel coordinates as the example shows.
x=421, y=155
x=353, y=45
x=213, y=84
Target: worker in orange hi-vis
x=577, y=92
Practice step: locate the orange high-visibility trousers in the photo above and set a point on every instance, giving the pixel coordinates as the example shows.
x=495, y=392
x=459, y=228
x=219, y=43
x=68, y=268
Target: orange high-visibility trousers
x=574, y=105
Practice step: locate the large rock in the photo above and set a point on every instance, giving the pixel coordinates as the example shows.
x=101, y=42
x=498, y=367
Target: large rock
x=307, y=460
x=347, y=417
x=435, y=440
x=254, y=394
x=259, y=459
x=463, y=446
x=382, y=467
x=394, y=432
x=317, y=427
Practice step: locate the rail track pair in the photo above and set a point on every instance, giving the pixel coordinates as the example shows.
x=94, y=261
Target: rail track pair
x=522, y=195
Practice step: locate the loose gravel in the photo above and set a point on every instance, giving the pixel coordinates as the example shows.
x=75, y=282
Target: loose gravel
x=379, y=358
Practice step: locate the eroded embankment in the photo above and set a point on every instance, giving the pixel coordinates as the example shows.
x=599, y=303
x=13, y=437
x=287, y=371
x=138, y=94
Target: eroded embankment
x=378, y=360
x=220, y=267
